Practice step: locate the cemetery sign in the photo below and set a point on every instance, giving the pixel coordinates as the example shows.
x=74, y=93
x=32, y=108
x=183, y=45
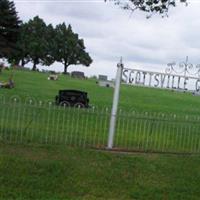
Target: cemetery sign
x=181, y=77
x=184, y=77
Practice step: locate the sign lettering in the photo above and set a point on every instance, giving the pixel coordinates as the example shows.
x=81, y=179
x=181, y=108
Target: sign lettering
x=160, y=80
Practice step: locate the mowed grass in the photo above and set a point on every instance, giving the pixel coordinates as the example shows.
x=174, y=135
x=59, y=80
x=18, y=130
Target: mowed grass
x=36, y=85
x=62, y=173
x=146, y=130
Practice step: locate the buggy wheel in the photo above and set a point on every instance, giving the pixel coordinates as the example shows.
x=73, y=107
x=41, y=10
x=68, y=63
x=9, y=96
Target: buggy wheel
x=64, y=103
x=79, y=105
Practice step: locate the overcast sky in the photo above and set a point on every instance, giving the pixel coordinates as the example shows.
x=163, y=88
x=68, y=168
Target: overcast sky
x=110, y=33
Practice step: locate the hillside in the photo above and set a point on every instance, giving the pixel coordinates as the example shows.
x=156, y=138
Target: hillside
x=36, y=85
x=34, y=166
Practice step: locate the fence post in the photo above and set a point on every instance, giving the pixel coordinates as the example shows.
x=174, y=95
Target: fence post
x=115, y=105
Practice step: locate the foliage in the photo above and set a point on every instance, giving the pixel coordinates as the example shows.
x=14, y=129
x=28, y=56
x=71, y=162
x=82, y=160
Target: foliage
x=22, y=55
x=148, y=6
x=38, y=42
x=9, y=28
x=42, y=44
x=70, y=50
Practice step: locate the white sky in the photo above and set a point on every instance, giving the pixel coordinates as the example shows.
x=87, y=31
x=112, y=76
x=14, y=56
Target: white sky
x=110, y=33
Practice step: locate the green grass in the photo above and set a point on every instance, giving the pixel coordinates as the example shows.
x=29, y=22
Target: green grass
x=61, y=173
x=58, y=172
x=36, y=85
x=140, y=131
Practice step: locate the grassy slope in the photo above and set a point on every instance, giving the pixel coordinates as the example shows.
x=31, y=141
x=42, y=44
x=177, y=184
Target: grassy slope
x=36, y=85
x=58, y=172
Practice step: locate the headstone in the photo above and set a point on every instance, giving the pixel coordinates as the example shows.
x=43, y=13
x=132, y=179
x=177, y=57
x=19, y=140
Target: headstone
x=103, y=78
x=78, y=74
x=53, y=77
x=195, y=93
x=52, y=72
x=106, y=84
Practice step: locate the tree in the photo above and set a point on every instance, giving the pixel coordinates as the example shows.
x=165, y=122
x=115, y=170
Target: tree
x=148, y=6
x=70, y=50
x=50, y=45
x=22, y=54
x=9, y=28
x=39, y=42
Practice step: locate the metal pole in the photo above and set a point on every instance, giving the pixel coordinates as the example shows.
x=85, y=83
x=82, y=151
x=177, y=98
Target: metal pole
x=115, y=105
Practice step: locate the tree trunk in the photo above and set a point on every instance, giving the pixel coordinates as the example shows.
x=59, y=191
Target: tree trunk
x=65, y=68
x=16, y=63
x=35, y=62
x=34, y=66
x=23, y=62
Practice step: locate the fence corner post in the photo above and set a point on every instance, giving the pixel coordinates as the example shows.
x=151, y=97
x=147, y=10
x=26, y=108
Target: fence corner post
x=115, y=105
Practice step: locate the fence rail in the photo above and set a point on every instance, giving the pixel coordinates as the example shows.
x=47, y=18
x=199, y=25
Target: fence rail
x=46, y=123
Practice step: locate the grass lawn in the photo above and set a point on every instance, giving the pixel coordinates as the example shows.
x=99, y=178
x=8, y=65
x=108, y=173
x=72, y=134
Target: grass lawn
x=88, y=127
x=36, y=85
x=60, y=172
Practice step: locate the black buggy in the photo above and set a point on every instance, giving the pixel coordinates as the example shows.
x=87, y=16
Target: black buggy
x=72, y=98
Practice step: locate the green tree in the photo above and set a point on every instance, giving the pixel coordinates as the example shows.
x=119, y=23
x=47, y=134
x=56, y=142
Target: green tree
x=50, y=45
x=148, y=6
x=70, y=50
x=25, y=44
x=9, y=28
x=22, y=55
x=39, y=42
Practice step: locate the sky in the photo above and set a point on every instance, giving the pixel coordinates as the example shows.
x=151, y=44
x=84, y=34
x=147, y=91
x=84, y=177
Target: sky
x=110, y=33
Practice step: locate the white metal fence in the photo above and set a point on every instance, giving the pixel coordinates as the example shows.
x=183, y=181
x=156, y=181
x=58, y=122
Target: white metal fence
x=46, y=123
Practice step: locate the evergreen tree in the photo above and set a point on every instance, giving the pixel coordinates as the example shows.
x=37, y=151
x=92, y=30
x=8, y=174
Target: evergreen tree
x=22, y=55
x=70, y=50
x=9, y=28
